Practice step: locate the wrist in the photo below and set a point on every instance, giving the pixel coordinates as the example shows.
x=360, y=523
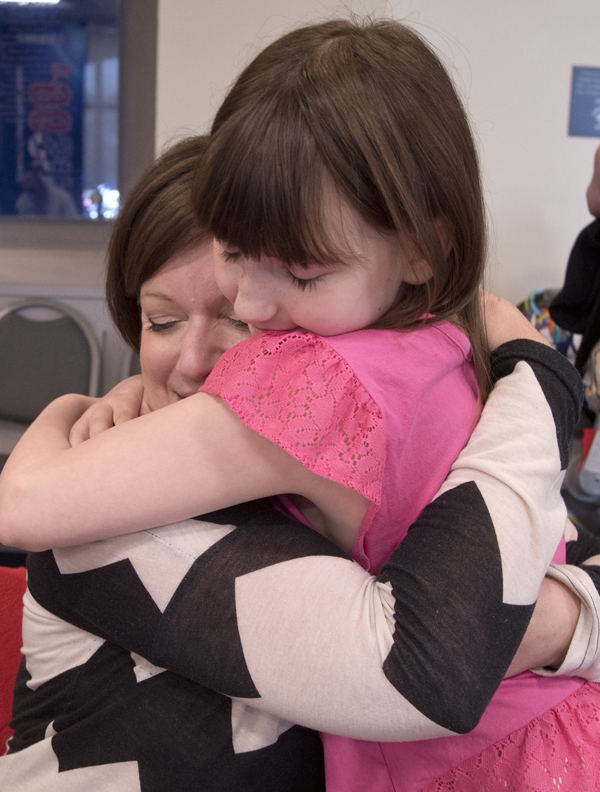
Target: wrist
x=551, y=629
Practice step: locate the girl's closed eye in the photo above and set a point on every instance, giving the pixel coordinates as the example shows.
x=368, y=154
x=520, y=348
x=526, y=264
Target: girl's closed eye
x=230, y=256
x=305, y=283
x=306, y=277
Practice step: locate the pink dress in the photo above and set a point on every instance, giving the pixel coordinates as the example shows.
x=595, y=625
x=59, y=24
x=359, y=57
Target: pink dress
x=386, y=413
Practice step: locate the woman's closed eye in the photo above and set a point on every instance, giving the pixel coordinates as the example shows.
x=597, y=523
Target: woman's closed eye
x=237, y=323
x=161, y=327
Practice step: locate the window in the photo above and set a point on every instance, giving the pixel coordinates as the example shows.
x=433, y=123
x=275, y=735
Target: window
x=75, y=77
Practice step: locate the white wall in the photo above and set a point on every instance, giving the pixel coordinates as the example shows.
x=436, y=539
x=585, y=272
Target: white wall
x=512, y=61
x=204, y=44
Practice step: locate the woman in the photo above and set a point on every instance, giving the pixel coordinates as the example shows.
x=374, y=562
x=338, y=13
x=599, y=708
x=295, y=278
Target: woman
x=83, y=586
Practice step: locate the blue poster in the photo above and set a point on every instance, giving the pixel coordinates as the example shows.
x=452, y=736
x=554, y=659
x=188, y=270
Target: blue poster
x=584, y=119
x=41, y=119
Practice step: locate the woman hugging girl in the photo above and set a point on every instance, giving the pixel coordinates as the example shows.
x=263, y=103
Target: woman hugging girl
x=342, y=188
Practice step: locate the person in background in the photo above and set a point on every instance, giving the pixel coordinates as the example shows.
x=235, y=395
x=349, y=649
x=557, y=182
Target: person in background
x=40, y=196
x=593, y=191
x=576, y=307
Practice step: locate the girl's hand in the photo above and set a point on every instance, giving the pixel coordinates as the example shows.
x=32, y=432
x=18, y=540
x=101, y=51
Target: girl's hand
x=124, y=402
x=504, y=322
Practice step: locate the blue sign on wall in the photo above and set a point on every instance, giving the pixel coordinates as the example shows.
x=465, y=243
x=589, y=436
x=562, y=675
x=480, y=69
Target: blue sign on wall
x=41, y=117
x=584, y=120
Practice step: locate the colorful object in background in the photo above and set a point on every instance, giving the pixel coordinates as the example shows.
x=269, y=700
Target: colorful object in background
x=589, y=435
x=535, y=307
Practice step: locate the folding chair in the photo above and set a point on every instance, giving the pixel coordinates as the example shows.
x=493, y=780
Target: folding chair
x=47, y=349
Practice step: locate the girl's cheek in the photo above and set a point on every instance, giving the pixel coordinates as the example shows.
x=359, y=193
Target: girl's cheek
x=226, y=281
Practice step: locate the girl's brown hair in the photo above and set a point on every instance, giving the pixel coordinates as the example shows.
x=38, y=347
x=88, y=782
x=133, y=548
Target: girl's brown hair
x=156, y=222
x=370, y=109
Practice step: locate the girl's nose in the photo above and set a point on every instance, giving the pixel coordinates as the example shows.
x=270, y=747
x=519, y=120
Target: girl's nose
x=255, y=303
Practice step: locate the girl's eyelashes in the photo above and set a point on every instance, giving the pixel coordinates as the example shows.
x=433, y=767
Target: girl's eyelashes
x=305, y=283
x=314, y=274
x=230, y=255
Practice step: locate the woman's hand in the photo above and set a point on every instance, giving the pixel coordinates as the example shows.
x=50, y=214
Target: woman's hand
x=124, y=402
x=550, y=630
x=504, y=322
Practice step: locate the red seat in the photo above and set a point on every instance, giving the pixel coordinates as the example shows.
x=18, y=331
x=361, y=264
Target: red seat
x=12, y=588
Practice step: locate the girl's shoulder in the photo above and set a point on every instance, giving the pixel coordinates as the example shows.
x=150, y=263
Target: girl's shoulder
x=297, y=391
x=273, y=354
x=395, y=357
x=371, y=356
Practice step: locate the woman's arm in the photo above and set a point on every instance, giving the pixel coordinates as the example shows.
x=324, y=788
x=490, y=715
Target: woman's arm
x=551, y=629
x=122, y=403
x=273, y=614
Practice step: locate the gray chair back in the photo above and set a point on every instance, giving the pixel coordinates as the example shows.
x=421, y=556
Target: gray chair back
x=47, y=349
x=130, y=365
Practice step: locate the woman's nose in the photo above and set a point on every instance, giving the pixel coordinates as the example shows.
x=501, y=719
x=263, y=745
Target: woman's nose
x=197, y=357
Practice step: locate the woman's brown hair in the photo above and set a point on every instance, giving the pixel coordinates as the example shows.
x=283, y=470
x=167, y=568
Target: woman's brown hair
x=369, y=109
x=156, y=222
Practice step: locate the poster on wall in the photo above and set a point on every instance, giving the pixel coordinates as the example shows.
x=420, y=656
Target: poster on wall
x=584, y=119
x=41, y=120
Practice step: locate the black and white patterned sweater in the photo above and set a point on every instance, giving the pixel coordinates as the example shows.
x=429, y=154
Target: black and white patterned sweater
x=185, y=657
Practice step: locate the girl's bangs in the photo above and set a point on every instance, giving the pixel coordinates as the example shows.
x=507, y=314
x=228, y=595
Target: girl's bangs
x=260, y=189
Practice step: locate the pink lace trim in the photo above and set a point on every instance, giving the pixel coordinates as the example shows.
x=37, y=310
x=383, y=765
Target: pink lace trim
x=297, y=392
x=557, y=752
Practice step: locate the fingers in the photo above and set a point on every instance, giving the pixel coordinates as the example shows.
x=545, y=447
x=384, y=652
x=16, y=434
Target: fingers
x=126, y=399
x=504, y=322
x=96, y=419
x=120, y=404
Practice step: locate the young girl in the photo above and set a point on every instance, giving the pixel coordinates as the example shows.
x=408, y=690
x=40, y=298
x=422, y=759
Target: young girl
x=342, y=185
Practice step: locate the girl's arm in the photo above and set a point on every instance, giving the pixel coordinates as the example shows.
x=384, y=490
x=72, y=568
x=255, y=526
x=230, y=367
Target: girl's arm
x=188, y=458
